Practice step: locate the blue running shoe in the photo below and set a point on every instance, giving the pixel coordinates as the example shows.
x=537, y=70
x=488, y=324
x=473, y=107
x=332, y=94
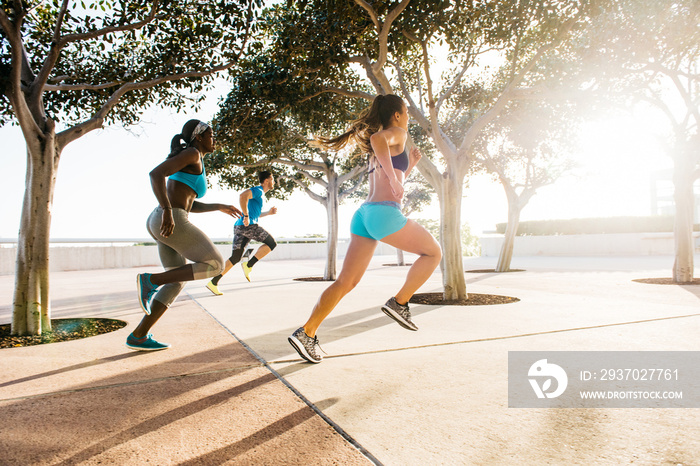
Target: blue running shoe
x=146, y=291
x=146, y=343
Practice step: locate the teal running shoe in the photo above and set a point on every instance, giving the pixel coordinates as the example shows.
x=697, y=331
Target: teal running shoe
x=146, y=343
x=146, y=290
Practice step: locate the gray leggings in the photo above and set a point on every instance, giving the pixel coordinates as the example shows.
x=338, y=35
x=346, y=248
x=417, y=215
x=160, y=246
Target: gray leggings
x=185, y=242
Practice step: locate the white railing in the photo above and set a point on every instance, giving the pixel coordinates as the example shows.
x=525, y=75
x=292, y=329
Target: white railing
x=100, y=253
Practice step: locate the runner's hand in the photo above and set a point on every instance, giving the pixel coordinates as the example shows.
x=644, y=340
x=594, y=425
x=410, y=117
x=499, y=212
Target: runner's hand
x=246, y=221
x=415, y=155
x=167, y=225
x=273, y=210
x=231, y=210
x=396, y=188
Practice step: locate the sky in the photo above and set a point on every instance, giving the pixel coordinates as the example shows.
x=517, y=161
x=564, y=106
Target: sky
x=103, y=190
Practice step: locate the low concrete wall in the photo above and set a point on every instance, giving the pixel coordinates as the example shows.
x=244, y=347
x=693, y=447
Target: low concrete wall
x=103, y=257
x=624, y=244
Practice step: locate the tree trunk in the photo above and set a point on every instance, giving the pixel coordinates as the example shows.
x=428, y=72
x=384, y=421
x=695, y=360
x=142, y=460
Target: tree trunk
x=683, y=223
x=399, y=257
x=506, y=254
x=450, y=238
x=31, y=306
x=332, y=213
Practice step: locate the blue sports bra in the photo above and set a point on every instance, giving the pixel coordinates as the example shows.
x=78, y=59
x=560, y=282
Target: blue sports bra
x=399, y=162
x=198, y=183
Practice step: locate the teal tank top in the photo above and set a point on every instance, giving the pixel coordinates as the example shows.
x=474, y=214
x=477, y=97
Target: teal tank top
x=198, y=183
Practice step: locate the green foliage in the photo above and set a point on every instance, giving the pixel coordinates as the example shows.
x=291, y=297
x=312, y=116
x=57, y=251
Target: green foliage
x=184, y=36
x=589, y=226
x=279, y=101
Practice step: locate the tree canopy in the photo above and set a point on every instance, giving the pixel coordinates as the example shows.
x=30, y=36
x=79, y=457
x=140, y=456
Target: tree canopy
x=78, y=55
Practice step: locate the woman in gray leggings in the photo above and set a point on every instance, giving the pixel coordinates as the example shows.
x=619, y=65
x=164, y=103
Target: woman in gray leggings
x=178, y=240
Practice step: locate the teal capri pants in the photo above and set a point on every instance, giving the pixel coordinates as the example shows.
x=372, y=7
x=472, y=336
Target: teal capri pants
x=377, y=220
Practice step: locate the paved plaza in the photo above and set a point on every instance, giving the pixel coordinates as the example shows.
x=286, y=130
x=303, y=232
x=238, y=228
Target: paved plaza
x=231, y=390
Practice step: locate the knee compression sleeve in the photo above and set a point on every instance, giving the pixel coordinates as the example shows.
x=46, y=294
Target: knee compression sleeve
x=270, y=242
x=235, y=256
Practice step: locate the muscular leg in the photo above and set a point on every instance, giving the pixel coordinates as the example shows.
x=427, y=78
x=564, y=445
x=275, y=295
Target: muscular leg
x=355, y=264
x=230, y=262
x=175, y=265
x=148, y=321
x=415, y=239
x=240, y=242
x=180, y=274
x=263, y=250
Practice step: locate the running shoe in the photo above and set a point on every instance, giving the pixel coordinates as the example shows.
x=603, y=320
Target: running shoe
x=146, y=343
x=305, y=345
x=400, y=313
x=214, y=289
x=146, y=290
x=246, y=270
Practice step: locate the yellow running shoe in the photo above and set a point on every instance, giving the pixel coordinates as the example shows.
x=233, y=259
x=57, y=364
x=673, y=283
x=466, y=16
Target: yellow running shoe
x=246, y=270
x=214, y=289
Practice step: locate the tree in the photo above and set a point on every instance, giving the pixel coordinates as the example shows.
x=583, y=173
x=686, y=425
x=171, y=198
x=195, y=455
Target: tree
x=526, y=149
x=249, y=139
x=647, y=53
x=489, y=53
x=67, y=71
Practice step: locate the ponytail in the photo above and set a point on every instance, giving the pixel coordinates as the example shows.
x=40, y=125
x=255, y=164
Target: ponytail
x=177, y=145
x=182, y=141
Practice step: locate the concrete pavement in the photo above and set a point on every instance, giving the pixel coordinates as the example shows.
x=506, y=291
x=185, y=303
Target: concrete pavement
x=436, y=396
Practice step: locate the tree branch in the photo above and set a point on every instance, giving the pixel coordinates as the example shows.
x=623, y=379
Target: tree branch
x=442, y=141
x=372, y=14
x=108, y=30
x=59, y=22
x=20, y=66
x=685, y=95
x=356, y=170
x=316, y=197
x=508, y=91
x=415, y=112
x=80, y=87
x=384, y=34
x=313, y=166
x=457, y=81
x=347, y=93
x=358, y=183
x=65, y=137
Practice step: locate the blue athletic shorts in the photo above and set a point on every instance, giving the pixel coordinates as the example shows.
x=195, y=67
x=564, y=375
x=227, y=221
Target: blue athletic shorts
x=377, y=220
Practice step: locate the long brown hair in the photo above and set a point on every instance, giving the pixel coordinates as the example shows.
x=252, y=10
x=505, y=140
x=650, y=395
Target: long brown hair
x=371, y=120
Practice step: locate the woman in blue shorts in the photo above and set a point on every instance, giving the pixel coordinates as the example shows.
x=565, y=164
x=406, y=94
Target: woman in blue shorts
x=381, y=131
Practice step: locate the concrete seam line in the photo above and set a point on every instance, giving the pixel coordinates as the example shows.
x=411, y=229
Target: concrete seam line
x=126, y=384
x=506, y=337
x=308, y=402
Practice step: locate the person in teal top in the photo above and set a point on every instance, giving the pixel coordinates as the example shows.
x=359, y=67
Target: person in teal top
x=198, y=183
x=246, y=228
x=185, y=251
